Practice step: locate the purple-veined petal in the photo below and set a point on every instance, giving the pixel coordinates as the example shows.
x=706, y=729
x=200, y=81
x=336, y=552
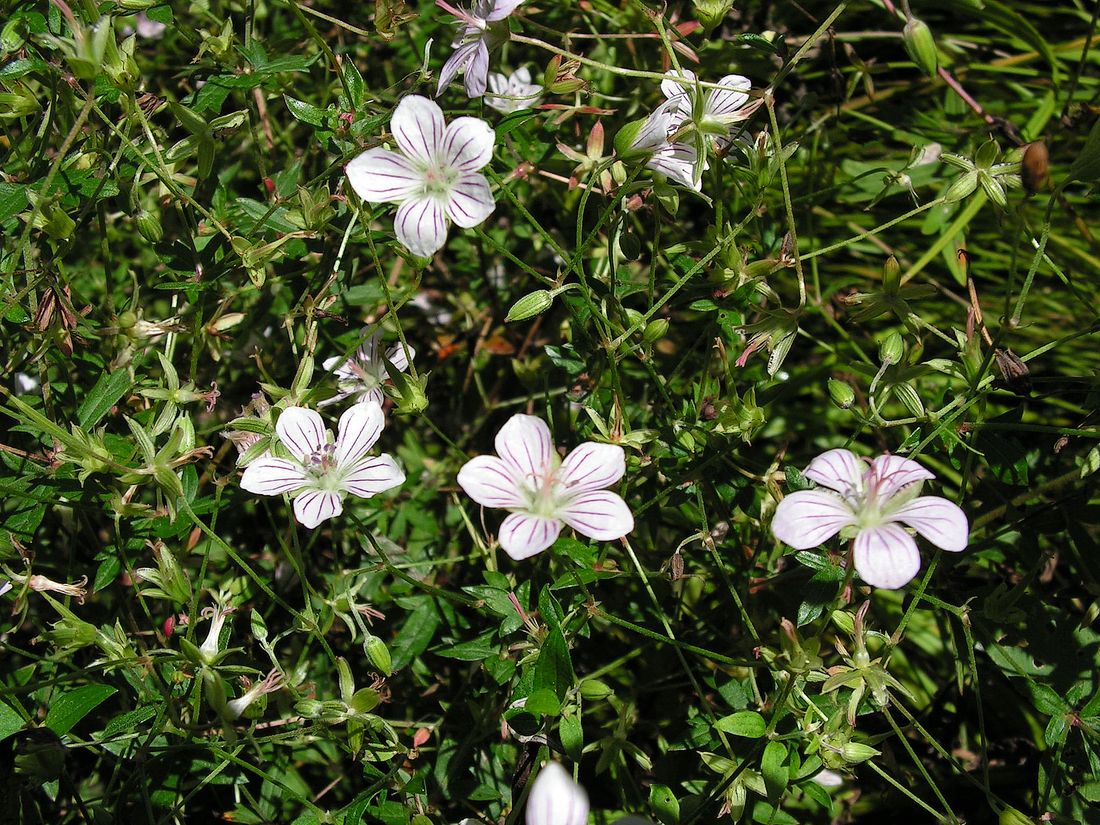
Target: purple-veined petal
x=421, y=225
x=314, y=506
x=522, y=535
x=501, y=9
x=524, y=442
x=367, y=354
x=656, y=128
x=591, y=466
x=468, y=144
x=336, y=399
x=890, y=474
x=676, y=161
x=396, y=355
x=374, y=395
x=373, y=475
x=940, y=521
x=839, y=470
x=270, y=476
x=675, y=89
x=498, y=83
x=381, y=176
x=477, y=70
x=470, y=200
x=302, y=432
x=555, y=799
x=600, y=515
x=886, y=556
x=810, y=517
x=360, y=426
x=458, y=61
x=521, y=75
x=725, y=104
x=418, y=127
x=492, y=482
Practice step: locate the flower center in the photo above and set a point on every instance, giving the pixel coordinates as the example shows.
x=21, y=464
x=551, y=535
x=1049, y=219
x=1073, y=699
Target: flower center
x=438, y=180
x=321, y=461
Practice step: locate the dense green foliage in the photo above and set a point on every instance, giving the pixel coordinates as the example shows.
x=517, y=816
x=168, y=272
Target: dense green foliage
x=178, y=235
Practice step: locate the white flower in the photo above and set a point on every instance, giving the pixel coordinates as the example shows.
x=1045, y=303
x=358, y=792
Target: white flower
x=363, y=374
x=269, y=684
x=875, y=499
x=211, y=646
x=555, y=799
x=510, y=93
x=434, y=177
x=476, y=36
x=320, y=471
x=719, y=112
x=543, y=491
x=25, y=384
x=673, y=159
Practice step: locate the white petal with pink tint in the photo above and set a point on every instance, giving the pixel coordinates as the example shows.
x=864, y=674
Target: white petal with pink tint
x=380, y=176
x=314, y=506
x=470, y=201
x=399, y=355
x=938, y=520
x=810, y=517
x=477, y=71
x=360, y=426
x=886, y=556
x=838, y=470
x=676, y=89
x=492, y=482
x=525, y=443
x=592, y=466
x=373, y=475
x=458, y=61
x=600, y=515
x=890, y=474
x=421, y=225
x=522, y=535
x=301, y=431
x=270, y=476
x=468, y=144
x=501, y=9
x=555, y=799
x=418, y=127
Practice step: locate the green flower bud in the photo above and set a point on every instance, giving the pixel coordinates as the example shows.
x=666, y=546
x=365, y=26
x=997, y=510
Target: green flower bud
x=595, y=689
x=309, y=708
x=1011, y=816
x=655, y=330
x=920, y=45
x=891, y=274
x=149, y=226
x=378, y=654
x=530, y=305
x=854, y=752
x=963, y=186
x=347, y=683
x=365, y=700
x=892, y=349
x=711, y=12
x=841, y=393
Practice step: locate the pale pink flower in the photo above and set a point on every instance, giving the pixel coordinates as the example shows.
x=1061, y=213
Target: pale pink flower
x=362, y=375
x=555, y=799
x=476, y=35
x=435, y=177
x=543, y=492
x=322, y=471
x=872, y=500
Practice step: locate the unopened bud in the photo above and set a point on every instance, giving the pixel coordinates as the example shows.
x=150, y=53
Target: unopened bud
x=149, y=226
x=530, y=305
x=920, y=45
x=711, y=12
x=655, y=330
x=892, y=349
x=379, y=655
x=842, y=393
x=1011, y=816
x=309, y=708
x=854, y=752
x=891, y=274
x=595, y=689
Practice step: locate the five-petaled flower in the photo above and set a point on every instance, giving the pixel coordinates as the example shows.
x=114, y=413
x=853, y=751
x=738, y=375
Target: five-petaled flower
x=477, y=34
x=542, y=491
x=715, y=115
x=872, y=500
x=555, y=799
x=435, y=177
x=510, y=93
x=321, y=472
x=362, y=375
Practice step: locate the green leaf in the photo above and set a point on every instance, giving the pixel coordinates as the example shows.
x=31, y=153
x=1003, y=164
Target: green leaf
x=542, y=703
x=554, y=671
x=571, y=732
x=127, y=722
x=305, y=112
x=73, y=706
x=1086, y=167
x=110, y=387
x=10, y=721
x=416, y=634
x=746, y=723
x=773, y=766
x=13, y=199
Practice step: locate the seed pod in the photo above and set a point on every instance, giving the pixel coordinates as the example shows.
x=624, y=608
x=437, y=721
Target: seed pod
x=892, y=349
x=530, y=305
x=841, y=393
x=378, y=654
x=1035, y=167
x=920, y=45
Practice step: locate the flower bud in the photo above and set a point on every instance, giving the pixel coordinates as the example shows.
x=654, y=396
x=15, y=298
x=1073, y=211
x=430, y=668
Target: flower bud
x=711, y=12
x=854, y=752
x=891, y=274
x=530, y=305
x=920, y=45
x=841, y=393
x=365, y=700
x=655, y=330
x=309, y=708
x=963, y=186
x=1011, y=816
x=379, y=655
x=595, y=689
x=892, y=349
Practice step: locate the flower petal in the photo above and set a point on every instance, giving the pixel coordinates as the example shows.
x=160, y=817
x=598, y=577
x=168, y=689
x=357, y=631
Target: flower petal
x=381, y=176
x=591, y=466
x=600, y=515
x=418, y=127
x=396, y=355
x=468, y=144
x=470, y=201
x=360, y=426
x=455, y=63
x=270, y=476
x=314, y=506
x=676, y=161
x=940, y=521
x=890, y=474
x=524, y=442
x=886, y=556
x=810, y=517
x=839, y=470
x=675, y=89
x=492, y=482
x=501, y=9
x=374, y=475
x=477, y=70
x=421, y=225
x=522, y=535
x=725, y=104
x=555, y=799
x=302, y=432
